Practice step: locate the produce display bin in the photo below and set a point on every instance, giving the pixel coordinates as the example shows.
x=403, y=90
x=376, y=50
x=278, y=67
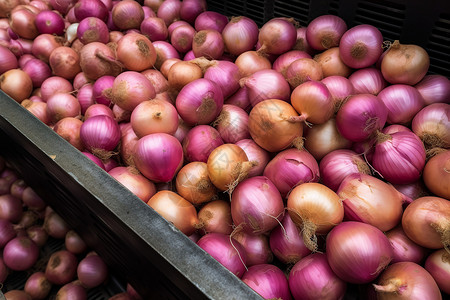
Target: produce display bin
x=138, y=244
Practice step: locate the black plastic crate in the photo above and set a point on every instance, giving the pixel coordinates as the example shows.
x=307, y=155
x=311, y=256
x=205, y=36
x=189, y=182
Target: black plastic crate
x=424, y=23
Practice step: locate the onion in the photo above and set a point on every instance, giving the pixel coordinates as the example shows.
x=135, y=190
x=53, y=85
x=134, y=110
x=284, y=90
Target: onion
x=360, y=117
x=286, y=242
x=38, y=235
x=169, y=11
x=437, y=173
x=405, y=64
x=55, y=226
x=370, y=200
x=256, y=248
x=190, y=9
x=127, y=15
x=8, y=60
x=199, y=102
x=37, y=70
x=100, y=134
x=200, y=141
x=225, y=74
x=290, y=168
x=95, y=159
x=399, y=157
x=32, y=200
x=157, y=79
x=283, y=61
x=240, y=35
x=143, y=188
x=44, y=44
x=62, y=105
x=28, y=219
x=6, y=7
x=92, y=271
x=325, y=32
x=361, y=46
x=17, y=84
x=158, y=156
x=37, y=286
x=97, y=60
x=175, y=209
x=90, y=8
x=38, y=109
x=182, y=37
x=193, y=183
x=102, y=90
x=313, y=102
x=278, y=35
x=256, y=205
x=7, y=177
x=266, y=84
x=22, y=22
x=92, y=29
x=154, y=28
x=250, y=62
x=98, y=109
x=48, y=21
x=268, y=281
x=232, y=124
x=254, y=153
x=426, y=222
x=61, y=267
x=215, y=216
x=367, y=81
x=431, y=124
x=316, y=209
x=208, y=43
x=72, y=290
x=74, y=243
x=326, y=284
x=20, y=253
x=438, y=265
x=406, y=280
x=303, y=70
x=332, y=64
x=69, y=129
x=154, y=116
x=434, y=89
x=10, y=208
x=270, y=117
x=54, y=85
x=181, y=73
x=16, y=295
x=210, y=20
x=226, y=250
x=404, y=248
x=128, y=141
x=7, y=232
x=131, y=88
x=240, y=99
x=136, y=52
x=164, y=51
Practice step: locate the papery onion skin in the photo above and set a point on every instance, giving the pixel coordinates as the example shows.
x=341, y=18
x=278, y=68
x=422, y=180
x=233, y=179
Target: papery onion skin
x=17, y=84
x=232, y=124
x=92, y=271
x=143, y=188
x=426, y=222
x=37, y=286
x=287, y=243
x=211, y=20
x=266, y=84
x=55, y=226
x=368, y=199
x=438, y=265
x=37, y=70
x=97, y=60
x=240, y=35
x=17, y=295
x=10, y=208
x=92, y=29
x=100, y=133
x=256, y=248
x=434, y=89
x=8, y=60
x=215, y=216
x=74, y=243
x=193, y=183
x=69, y=129
x=325, y=32
x=326, y=285
x=130, y=88
x=436, y=174
x=20, y=253
x=283, y=61
x=72, y=290
x=277, y=36
x=254, y=153
x=225, y=74
x=136, y=52
x=406, y=280
x=208, y=43
x=432, y=125
x=200, y=141
x=154, y=28
x=332, y=64
x=127, y=15
x=303, y=70
x=256, y=205
x=348, y=256
x=268, y=281
x=252, y=61
x=367, y=81
x=181, y=73
x=169, y=11
x=404, y=248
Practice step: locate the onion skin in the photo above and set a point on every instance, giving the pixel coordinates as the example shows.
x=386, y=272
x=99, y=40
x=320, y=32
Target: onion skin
x=434, y=89
x=74, y=243
x=143, y=188
x=426, y=222
x=267, y=280
x=10, y=208
x=367, y=81
x=200, y=141
x=250, y=62
x=240, y=34
x=17, y=84
x=326, y=285
x=432, y=125
x=256, y=248
x=55, y=225
x=438, y=265
x=193, y=183
x=215, y=216
x=332, y=64
x=37, y=286
x=71, y=290
x=17, y=295
x=254, y=153
x=436, y=174
x=232, y=124
x=348, y=255
x=92, y=271
x=404, y=248
x=406, y=280
x=136, y=52
x=61, y=267
x=154, y=116
x=20, y=253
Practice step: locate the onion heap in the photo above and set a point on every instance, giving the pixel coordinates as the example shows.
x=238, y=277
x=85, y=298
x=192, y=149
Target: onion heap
x=309, y=149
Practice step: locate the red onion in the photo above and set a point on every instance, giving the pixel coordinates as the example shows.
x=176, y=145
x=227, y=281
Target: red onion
x=54, y=85
x=302, y=70
x=92, y=29
x=367, y=81
x=17, y=295
x=131, y=88
x=55, y=226
x=90, y=8
x=266, y=84
x=17, y=188
x=434, y=89
x=200, y=141
x=240, y=35
x=98, y=109
x=256, y=247
x=6, y=7
x=340, y=88
x=157, y=79
x=254, y=153
x=136, y=52
x=8, y=60
x=182, y=38
x=22, y=22
x=49, y=21
x=348, y=254
x=199, y=102
x=37, y=286
x=232, y=124
x=208, y=43
x=431, y=124
x=251, y=61
x=37, y=70
x=406, y=280
x=277, y=36
x=148, y=12
x=61, y=267
x=38, y=235
x=154, y=28
x=20, y=253
x=211, y=20
x=283, y=61
x=7, y=232
x=154, y=116
x=74, y=243
x=325, y=32
x=361, y=46
x=95, y=159
x=226, y=250
x=312, y=278
x=290, y=168
x=169, y=11
x=100, y=134
x=436, y=174
x=175, y=24
x=301, y=42
x=80, y=80
x=190, y=9
x=24, y=59
x=287, y=243
x=164, y=51
x=268, y=281
x=360, y=117
x=438, y=265
x=102, y=90
x=72, y=290
x=28, y=218
x=240, y=99
x=143, y=188
x=62, y=105
x=97, y=60
x=215, y=216
x=256, y=205
x=85, y=97
x=399, y=157
x=92, y=271
x=44, y=44
x=32, y=200
x=158, y=156
x=69, y=129
x=10, y=208
x=404, y=248
x=225, y=74
x=7, y=177
x=38, y=109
